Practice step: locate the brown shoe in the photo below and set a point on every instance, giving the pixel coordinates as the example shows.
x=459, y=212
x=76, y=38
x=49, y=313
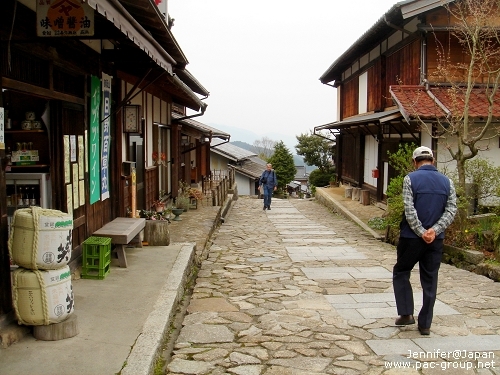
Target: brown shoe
x=424, y=331
x=405, y=320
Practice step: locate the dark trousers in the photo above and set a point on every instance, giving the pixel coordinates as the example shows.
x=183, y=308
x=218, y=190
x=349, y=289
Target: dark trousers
x=268, y=193
x=409, y=252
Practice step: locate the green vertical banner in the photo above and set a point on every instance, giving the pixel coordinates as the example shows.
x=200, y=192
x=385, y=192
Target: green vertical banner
x=94, y=140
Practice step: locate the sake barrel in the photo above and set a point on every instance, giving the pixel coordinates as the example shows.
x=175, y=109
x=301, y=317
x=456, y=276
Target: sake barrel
x=40, y=238
x=42, y=297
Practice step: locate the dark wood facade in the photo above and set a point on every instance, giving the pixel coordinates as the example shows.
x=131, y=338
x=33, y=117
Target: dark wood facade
x=398, y=50
x=51, y=76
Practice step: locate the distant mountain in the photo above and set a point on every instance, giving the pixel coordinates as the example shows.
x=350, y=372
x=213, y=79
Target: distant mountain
x=297, y=159
x=238, y=134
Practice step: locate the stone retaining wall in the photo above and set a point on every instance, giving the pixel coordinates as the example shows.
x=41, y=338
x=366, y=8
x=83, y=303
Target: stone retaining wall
x=470, y=260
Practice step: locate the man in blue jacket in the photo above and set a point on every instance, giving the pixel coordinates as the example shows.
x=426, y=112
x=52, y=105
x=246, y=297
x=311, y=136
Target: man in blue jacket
x=429, y=208
x=269, y=182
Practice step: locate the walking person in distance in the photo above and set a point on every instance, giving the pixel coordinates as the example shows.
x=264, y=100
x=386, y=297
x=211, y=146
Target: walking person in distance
x=268, y=182
x=429, y=208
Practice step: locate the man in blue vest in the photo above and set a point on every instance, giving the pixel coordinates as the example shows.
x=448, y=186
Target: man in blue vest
x=429, y=208
x=269, y=182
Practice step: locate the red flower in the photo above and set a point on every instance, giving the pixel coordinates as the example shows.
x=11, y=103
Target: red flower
x=157, y=2
x=155, y=156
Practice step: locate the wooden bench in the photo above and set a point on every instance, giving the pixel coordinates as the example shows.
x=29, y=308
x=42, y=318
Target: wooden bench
x=122, y=231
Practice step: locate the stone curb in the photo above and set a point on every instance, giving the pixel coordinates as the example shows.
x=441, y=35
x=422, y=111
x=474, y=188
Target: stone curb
x=333, y=204
x=148, y=345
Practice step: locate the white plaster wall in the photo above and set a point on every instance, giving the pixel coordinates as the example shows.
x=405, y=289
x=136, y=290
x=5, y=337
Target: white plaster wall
x=218, y=162
x=363, y=93
x=245, y=184
x=490, y=151
x=371, y=160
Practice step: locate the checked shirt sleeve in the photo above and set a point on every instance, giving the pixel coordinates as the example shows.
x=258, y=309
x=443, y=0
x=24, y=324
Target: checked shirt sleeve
x=449, y=212
x=410, y=211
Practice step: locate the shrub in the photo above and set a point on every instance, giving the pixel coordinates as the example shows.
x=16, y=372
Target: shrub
x=319, y=178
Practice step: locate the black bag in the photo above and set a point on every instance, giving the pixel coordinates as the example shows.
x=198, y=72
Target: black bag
x=264, y=180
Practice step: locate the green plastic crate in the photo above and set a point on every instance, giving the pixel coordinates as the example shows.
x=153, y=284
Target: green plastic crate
x=96, y=257
x=95, y=273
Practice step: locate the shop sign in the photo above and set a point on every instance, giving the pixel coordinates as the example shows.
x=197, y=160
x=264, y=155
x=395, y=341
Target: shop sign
x=2, y=132
x=64, y=18
x=105, y=146
x=94, y=140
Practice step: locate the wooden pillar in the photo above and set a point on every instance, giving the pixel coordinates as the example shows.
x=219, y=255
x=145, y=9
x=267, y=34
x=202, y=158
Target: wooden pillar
x=365, y=197
x=5, y=286
x=176, y=155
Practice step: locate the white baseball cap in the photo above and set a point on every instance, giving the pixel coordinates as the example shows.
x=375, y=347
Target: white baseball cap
x=422, y=151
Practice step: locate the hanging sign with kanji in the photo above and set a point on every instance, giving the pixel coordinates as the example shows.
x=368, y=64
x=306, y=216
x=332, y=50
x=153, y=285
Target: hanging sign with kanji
x=64, y=18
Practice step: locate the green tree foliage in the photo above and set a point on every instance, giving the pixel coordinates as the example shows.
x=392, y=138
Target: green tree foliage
x=319, y=178
x=402, y=162
x=484, y=177
x=316, y=151
x=283, y=164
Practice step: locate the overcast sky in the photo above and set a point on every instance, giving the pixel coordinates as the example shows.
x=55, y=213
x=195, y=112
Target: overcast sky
x=261, y=60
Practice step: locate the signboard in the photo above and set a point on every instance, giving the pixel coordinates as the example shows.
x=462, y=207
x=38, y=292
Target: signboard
x=2, y=131
x=64, y=18
x=94, y=140
x=106, y=116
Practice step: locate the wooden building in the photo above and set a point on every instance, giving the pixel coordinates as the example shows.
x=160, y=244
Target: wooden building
x=382, y=81
x=90, y=89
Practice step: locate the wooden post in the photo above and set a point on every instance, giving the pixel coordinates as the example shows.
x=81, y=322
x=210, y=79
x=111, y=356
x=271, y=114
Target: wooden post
x=348, y=192
x=355, y=193
x=156, y=233
x=133, y=190
x=365, y=197
x=57, y=331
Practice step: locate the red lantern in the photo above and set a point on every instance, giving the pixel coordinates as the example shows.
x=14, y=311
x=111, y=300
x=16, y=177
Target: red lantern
x=375, y=173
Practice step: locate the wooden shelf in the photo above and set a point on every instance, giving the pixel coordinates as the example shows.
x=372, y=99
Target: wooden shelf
x=29, y=166
x=24, y=131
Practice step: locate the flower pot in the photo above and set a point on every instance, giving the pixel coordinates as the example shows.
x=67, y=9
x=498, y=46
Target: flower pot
x=177, y=212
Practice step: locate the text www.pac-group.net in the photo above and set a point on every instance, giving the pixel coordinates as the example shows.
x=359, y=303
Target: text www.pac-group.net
x=437, y=359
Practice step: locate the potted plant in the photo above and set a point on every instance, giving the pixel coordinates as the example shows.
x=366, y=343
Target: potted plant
x=158, y=205
x=182, y=202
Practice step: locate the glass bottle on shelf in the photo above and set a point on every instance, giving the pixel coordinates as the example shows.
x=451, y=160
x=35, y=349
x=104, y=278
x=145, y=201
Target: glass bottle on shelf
x=32, y=196
x=26, y=198
x=20, y=196
x=10, y=195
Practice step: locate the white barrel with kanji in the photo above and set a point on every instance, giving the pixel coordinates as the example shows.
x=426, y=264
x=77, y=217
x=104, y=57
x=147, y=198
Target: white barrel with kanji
x=40, y=238
x=42, y=297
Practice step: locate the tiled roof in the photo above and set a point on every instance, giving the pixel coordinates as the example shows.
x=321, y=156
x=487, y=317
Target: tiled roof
x=250, y=168
x=439, y=102
x=205, y=129
x=231, y=151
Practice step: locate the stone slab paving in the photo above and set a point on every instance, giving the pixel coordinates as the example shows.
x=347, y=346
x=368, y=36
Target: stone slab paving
x=335, y=273
x=318, y=253
x=378, y=305
x=280, y=298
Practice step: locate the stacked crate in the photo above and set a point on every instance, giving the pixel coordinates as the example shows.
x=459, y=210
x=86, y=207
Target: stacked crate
x=96, y=258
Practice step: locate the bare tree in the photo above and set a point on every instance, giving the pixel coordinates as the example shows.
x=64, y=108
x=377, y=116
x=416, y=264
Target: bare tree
x=264, y=147
x=470, y=78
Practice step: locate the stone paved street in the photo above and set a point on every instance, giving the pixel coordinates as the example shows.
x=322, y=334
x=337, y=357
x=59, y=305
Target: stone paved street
x=300, y=290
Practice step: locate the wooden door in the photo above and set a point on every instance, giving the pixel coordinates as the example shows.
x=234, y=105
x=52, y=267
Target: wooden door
x=69, y=174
